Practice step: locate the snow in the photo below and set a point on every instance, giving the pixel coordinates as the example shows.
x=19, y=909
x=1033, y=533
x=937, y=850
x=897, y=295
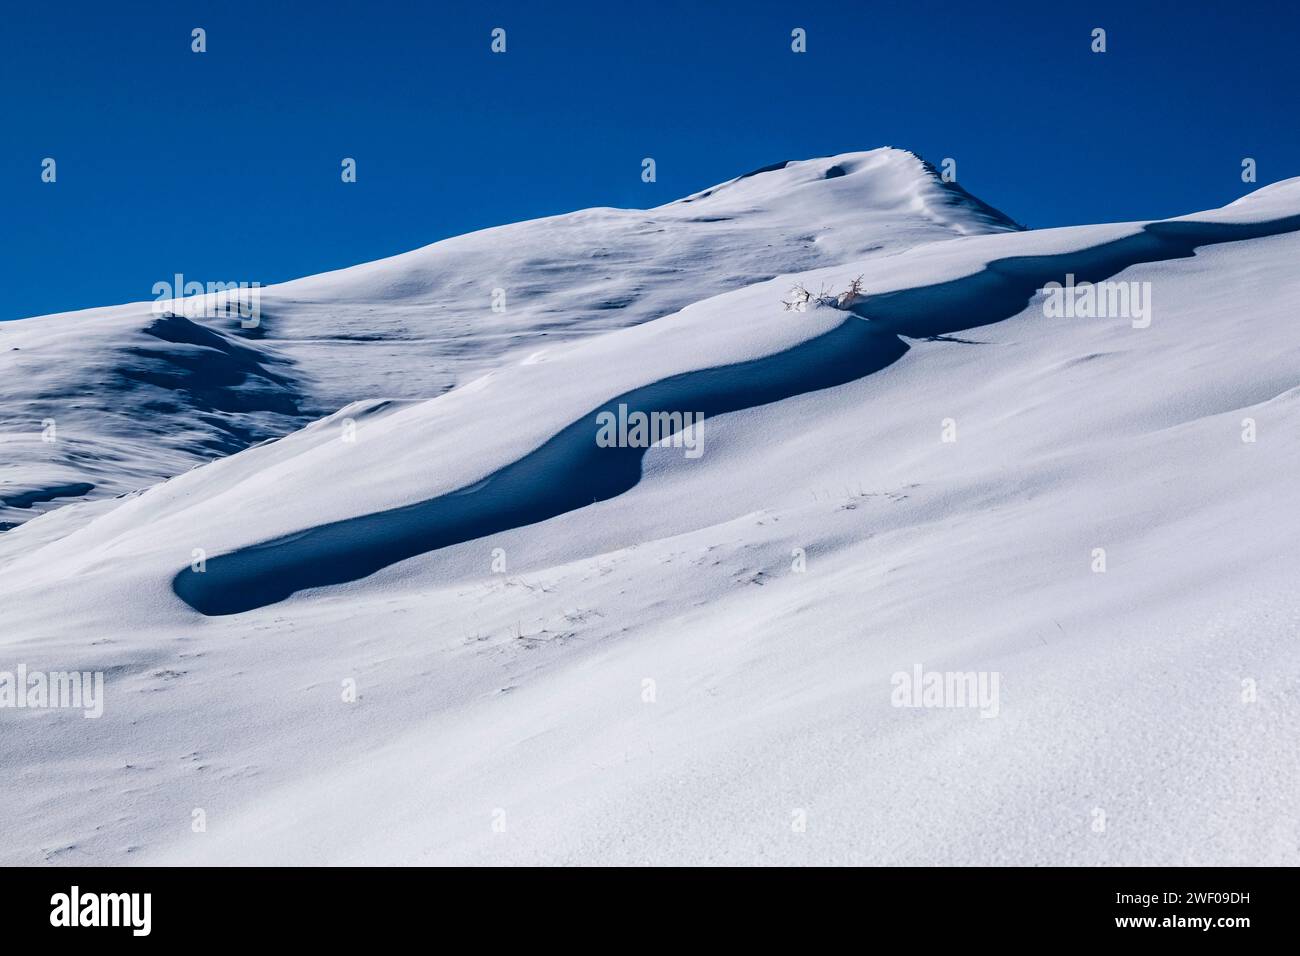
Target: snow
x=518, y=697
x=134, y=410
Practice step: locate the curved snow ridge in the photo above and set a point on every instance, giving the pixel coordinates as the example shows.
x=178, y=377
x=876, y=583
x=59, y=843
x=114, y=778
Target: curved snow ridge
x=570, y=471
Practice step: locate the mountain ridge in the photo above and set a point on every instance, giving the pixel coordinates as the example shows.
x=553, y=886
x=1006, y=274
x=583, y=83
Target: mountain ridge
x=414, y=325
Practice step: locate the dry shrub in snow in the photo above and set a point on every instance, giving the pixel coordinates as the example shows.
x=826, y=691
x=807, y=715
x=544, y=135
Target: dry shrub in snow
x=800, y=297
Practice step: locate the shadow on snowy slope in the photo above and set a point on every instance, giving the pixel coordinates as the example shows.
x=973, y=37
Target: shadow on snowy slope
x=240, y=394
x=569, y=471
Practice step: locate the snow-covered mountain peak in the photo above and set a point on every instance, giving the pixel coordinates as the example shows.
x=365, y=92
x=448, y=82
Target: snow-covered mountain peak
x=144, y=403
x=884, y=182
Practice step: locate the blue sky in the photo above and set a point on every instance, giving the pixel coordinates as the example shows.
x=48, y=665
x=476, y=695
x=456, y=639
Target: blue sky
x=224, y=166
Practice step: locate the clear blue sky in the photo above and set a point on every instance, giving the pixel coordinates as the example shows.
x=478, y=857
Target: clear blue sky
x=225, y=165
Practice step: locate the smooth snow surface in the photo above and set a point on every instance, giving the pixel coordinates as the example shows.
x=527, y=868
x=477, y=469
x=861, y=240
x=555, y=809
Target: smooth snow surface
x=565, y=654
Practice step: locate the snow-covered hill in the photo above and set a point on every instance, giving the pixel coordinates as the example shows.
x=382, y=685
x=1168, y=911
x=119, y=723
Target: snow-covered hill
x=566, y=653
x=137, y=397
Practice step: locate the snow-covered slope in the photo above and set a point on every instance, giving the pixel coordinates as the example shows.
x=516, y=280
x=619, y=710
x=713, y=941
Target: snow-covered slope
x=139, y=397
x=565, y=653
